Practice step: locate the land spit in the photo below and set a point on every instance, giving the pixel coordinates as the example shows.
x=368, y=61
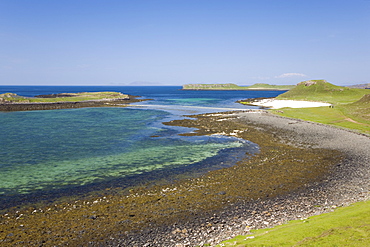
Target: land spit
x=302, y=169
x=68, y=105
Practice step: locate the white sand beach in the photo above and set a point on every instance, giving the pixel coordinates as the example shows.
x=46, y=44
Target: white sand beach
x=276, y=104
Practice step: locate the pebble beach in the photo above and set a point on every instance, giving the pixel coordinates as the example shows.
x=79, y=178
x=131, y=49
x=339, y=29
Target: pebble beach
x=346, y=183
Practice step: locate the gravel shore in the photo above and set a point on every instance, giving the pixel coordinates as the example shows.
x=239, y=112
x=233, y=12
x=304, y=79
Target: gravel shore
x=347, y=182
x=302, y=169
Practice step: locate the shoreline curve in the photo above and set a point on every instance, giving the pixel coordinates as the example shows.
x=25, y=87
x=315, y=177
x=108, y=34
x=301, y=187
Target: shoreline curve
x=303, y=169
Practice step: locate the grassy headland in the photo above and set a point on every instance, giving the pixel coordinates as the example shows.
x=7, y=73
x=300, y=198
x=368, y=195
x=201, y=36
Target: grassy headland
x=14, y=102
x=347, y=226
x=321, y=90
x=64, y=97
x=231, y=86
x=351, y=106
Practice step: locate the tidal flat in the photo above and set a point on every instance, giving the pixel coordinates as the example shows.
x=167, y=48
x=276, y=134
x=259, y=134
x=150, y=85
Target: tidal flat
x=301, y=169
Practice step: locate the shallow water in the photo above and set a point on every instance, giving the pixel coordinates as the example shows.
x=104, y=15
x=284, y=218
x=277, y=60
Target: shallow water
x=67, y=149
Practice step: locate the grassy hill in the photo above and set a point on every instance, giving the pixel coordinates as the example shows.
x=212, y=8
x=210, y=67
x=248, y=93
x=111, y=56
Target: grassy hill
x=359, y=111
x=350, y=105
x=65, y=97
x=321, y=90
x=14, y=102
x=347, y=226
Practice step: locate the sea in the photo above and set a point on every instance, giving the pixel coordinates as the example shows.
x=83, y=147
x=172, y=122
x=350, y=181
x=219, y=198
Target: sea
x=57, y=152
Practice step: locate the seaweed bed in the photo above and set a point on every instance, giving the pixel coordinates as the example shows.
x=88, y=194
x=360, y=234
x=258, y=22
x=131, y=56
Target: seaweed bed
x=68, y=105
x=286, y=180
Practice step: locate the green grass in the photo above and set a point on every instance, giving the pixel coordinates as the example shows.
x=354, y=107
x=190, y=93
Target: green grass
x=351, y=106
x=324, y=92
x=341, y=116
x=359, y=110
x=347, y=226
x=76, y=97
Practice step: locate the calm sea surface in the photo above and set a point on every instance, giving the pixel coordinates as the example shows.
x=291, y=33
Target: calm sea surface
x=72, y=149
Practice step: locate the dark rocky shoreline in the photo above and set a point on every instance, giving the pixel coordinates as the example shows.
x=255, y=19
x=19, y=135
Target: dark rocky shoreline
x=67, y=105
x=347, y=182
x=303, y=169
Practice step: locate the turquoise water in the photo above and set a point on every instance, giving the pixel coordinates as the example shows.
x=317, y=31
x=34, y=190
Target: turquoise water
x=45, y=150
x=48, y=151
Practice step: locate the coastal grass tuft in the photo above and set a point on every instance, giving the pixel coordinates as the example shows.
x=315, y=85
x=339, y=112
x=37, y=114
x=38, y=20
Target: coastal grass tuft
x=359, y=110
x=347, y=226
x=85, y=96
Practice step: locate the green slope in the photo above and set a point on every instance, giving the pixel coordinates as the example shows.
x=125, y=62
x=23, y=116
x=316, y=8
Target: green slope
x=351, y=105
x=347, y=226
x=68, y=97
x=321, y=90
x=359, y=111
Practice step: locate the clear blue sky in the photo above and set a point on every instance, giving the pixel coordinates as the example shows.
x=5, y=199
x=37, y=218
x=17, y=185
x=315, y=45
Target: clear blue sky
x=173, y=42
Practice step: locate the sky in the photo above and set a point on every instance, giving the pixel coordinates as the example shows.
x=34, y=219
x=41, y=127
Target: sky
x=175, y=42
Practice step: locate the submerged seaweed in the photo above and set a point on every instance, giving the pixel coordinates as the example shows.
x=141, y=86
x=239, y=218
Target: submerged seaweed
x=104, y=216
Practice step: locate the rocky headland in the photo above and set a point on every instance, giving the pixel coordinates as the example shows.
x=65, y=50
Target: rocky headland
x=14, y=102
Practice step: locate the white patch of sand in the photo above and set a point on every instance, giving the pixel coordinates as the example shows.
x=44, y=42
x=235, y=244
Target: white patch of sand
x=276, y=104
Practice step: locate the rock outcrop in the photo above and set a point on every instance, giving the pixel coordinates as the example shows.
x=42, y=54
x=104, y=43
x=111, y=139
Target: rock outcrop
x=8, y=102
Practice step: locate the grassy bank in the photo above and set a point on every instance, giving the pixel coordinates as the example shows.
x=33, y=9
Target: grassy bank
x=351, y=106
x=341, y=116
x=323, y=91
x=65, y=97
x=348, y=226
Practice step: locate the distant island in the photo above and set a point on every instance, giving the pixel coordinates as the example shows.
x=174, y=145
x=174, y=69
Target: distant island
x=14, y=102
x=231, y=86
x=363, y=86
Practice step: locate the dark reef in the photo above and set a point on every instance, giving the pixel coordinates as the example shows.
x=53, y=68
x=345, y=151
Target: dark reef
x=66, y=105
